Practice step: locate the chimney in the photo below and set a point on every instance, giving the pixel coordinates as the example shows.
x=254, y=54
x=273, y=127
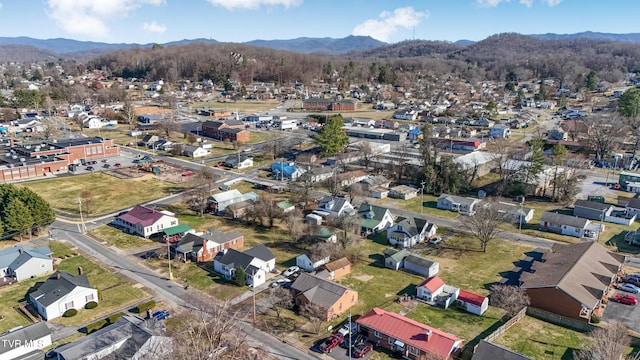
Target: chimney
x=20, y=251
x=58, y=275
x=80, y=271
x=428, y=334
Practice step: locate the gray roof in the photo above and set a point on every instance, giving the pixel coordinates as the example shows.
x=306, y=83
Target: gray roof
x=54, y=288
x=193, y=242
x=261, y=252
x=491, y=351
x=562, y=219
x=29, y=332
x=134, y=331
x=318, y=290
x=592, y=205
x=634, y=203
x=9, y=255
x=369, y=211
x=33, y=355
x=581, y=270
x=25, y=256
x=336, y=202
x=234, y=258
x=404, y=189
x=415, y=259
x=396, y=255
x=458, y=199
x=413, y=225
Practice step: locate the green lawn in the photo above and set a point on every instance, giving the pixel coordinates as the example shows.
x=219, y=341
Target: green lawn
x=108, y=193
x=261, y=136
x=541, y=340
x=60, y=250
x=429, y=208
x=118, y=238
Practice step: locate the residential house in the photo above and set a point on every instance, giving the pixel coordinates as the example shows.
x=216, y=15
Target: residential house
x=239, y=161
x=24, y=262
x=592, y=210
x=403, y=192
x=374, y=218
x=201, y=248
x=413, y=340
x=513, y=213
x=290, y=171
x=337, y=269
x=194, y=151
x=555, y=134
x=231, y=130
x=457, y=203
x=408, y=232
x=144, y=221
x=422, y=266
x=633, y=207
x=310, y=262
x=565, y=224
x=500, y=131
x=130, y=337
x=256, y=263
x=239, y=209
x=218, y=202
x=148, y=139
x=326, y=235
x=394, y=259
x=571, y=280
x=336, y=299
x=430, y=289
x=286, y=206
x=175, y=233
x=472, y=302
x=61, y=292
x=488, y=350
x=335, y=206
x=24, y=340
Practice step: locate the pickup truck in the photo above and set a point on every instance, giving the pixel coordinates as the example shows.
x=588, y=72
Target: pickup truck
x=331, y=342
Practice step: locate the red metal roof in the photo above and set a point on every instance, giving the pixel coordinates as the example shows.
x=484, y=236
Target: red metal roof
x=432, y=284
x=472, y=298
x=143, y=215
x=410, y=332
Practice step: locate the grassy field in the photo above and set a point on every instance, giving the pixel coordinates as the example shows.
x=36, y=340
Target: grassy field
x=541, y=340
x=118, y=238
x=260, y=136
x=116, y=291
x=108, y=193
x=240, y=106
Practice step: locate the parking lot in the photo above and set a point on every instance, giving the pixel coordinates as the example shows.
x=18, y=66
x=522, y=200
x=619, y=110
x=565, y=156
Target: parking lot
x=124, y=159
x=629, y=315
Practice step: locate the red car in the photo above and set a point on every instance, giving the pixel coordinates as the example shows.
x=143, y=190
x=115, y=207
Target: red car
x=117, y=165
x=626, y=299
x=221, y=163
x=361, y=350
x=331, y=342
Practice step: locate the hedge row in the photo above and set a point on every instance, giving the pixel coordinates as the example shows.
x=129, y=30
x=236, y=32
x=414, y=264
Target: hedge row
x=142, y=308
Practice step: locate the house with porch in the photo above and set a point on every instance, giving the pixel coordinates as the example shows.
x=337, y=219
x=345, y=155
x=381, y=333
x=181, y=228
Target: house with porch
x=403, y=192
x=336, y=299
x=256, y=263
x=410, y=231
x=460, y=204
x=411, y=339
x=567, y=225
x=335, y=206
x=571, y=280
x=145, y=221
x=61, y=292
x=374, y=218
x=218, y=202
x=204, y=247
x=310, y=262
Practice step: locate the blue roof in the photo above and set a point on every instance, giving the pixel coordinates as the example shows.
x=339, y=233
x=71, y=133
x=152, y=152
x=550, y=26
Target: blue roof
x=7, y=256
x=415, y=131
x=279, y=167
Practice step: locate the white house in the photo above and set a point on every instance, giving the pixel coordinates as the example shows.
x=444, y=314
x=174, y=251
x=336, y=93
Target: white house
x=472, y=302
x=335, y=206
x=256, y=263
x=195, y=151
x=430, y=288
x=457, y=203
x=309, y=263
x=145, y=221
x=62, y=292
x=24, y=340
x=411, y=231
x=374, y=218
x=422, y=266
x=30, y=263
x=500, y=131
x=564, y=224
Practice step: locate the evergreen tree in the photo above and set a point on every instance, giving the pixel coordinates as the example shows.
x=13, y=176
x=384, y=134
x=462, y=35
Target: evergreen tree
x=332, y=137
x=241, y=277
x=592, y=81
x=16, y=216
x=629, y=104
x=1, y=230
x=40, y=210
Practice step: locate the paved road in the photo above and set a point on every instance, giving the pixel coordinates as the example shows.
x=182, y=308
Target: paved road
x=162, y=286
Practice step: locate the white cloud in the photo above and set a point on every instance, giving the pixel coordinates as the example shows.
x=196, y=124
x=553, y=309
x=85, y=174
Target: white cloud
x=253, y=4
x=551, y=2
x=153, y=27
x=390, y=22
x=91, y=17
x=528, y=3
x=490, y=3
x=0, y=6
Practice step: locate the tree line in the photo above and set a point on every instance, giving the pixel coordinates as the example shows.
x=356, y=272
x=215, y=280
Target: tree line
x=23, y=211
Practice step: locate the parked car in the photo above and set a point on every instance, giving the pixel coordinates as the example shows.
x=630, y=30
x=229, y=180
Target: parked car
x=105, y=160
x=118, y=165
x=626, y=299
x=331, y=343
x=634, y=280
x=161, y=315
x=628, y=288
x=224, y=187
x=290, y=271
x=285, y=283
x=344, y=329
x=356, y=339
x=106, y=166
x=89, y=168
x=436, y=240
x=361, y=350
x=92, y=162
x=221, y=163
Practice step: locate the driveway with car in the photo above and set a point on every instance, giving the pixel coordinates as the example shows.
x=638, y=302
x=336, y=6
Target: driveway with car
x=626, y=314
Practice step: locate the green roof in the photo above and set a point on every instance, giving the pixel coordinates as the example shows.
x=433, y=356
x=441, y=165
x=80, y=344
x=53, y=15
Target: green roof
x=369, y=223
x=396, y=255
x=175, y=230
x=324, y=233
x=285, y=204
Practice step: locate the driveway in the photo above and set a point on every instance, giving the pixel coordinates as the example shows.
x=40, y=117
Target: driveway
x=626, y=314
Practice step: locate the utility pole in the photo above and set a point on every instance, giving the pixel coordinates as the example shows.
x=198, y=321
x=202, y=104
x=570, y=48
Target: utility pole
x=169, y=257
x=349, y=334
x=253, y=291
x=422, y=196
x=520, y=222
x=83, y=228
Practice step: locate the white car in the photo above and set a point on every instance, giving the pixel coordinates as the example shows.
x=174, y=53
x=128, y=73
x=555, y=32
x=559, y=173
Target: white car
x=291, y=270
x=344, y=330
x=436, y=240
x=285, y=283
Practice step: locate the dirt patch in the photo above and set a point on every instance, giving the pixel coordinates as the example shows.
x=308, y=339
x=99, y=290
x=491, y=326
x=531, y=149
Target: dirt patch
x=151, y=110
x=363, y=277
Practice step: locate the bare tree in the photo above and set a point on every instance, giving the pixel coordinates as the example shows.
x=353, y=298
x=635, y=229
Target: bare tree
x=50, y=130
x=266, y=208
x=364, y=147
x=86, y=199
x=315, y=313
x=604, y=135
x=280, y=299
x=610, y=342
x=295, y=223
x=501, y=153
x=199, y=190
x=192, y=138
x=177, y=149
x=356, y=190
x=484, y=224
x=129, y=114
x=509, y=298
x=167, y=125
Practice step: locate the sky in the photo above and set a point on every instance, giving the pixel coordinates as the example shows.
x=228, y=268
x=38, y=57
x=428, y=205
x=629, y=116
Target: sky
x=391, y=21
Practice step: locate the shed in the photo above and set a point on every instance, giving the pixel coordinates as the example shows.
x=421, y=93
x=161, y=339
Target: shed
x=313, y=219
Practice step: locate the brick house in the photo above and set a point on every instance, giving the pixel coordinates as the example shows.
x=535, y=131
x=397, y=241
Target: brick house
x=407, y=337
x=329, y=104
x=333, y=297
x=232, y=130
x=200, y=248
x=337, y=269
